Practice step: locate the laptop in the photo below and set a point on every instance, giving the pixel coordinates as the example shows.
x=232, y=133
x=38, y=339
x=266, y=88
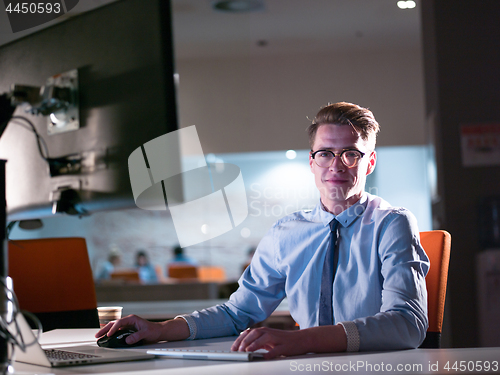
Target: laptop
x=66, y=356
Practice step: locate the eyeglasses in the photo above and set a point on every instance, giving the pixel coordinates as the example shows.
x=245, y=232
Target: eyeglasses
x=324, y=158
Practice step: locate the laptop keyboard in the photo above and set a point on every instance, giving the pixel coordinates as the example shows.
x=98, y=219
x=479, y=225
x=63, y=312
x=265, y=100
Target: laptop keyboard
x=55, y=354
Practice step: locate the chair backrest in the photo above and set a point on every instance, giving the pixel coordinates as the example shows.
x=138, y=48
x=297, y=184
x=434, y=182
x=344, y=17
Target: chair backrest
x=437, y=245
x=160, y=275
x=182, y=271
x=127, y=275
x=53, y=279
x=211, y=274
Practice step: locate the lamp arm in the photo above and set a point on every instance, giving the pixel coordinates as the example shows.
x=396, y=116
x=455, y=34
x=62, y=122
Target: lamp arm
x=6, y=111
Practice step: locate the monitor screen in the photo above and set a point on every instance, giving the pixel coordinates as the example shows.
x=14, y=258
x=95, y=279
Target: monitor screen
x=123, y=57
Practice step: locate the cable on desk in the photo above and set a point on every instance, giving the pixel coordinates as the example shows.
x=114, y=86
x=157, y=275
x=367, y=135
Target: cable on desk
x=9, y=327
x=42, y=145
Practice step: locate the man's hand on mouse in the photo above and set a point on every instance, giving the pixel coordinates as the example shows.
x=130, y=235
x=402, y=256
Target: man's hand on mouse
x=149, y=332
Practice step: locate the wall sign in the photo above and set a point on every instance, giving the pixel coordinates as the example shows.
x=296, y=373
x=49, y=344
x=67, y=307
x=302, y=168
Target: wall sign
x=480, y=144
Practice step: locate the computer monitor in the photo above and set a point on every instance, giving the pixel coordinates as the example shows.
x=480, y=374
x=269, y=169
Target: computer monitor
x=123, y=56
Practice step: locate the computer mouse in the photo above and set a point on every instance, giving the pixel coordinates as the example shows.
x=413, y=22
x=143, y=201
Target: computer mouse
x=117, y=340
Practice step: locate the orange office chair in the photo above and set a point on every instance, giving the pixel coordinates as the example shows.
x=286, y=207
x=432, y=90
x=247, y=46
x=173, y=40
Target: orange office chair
x=208, y=274
x=160, y=274
x=437, y=245
x=53, y=279
x=126, y=275
x=182, y=271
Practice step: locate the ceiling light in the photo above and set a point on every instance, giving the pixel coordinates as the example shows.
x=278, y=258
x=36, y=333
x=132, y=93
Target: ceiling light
x=407, y=4
x=291, y=154
x=238, y=6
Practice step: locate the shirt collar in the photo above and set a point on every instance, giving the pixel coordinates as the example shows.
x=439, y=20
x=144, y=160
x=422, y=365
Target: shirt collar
x=346, y=217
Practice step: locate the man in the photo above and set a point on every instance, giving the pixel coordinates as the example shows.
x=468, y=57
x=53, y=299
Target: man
x=180, y=257
x=372, y=297
x=109, y=266
x=147, y=272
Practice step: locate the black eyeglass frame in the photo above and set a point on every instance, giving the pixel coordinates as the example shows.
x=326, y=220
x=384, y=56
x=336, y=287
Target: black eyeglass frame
x=313, y=154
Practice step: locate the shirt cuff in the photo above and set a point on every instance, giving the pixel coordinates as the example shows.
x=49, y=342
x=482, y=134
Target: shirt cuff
x=191, y=324
x=352, y=334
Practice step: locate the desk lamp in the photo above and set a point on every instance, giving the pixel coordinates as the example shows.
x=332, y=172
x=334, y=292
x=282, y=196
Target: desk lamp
x=46, y=102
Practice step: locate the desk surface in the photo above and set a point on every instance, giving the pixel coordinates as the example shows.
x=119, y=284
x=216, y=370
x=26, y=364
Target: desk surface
x=421, y=361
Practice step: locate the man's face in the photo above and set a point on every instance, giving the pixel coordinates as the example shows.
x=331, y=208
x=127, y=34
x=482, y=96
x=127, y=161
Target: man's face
x=340, y=186
x=142, y=260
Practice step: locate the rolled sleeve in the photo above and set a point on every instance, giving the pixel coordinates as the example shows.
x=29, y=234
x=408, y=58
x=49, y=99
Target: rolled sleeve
x=402, y=322
x=352, y=334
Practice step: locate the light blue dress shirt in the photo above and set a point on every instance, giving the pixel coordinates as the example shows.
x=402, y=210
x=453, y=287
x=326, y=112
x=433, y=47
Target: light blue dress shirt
x=147, y=274
x=379, y=286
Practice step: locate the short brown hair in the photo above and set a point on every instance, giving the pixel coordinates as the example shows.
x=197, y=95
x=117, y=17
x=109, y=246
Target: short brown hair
x=342, y=113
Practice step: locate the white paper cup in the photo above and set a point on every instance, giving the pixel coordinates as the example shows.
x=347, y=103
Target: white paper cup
x=108, y=314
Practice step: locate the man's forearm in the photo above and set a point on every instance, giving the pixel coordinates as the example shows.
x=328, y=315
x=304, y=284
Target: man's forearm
x=324, y=339
x=174, y=330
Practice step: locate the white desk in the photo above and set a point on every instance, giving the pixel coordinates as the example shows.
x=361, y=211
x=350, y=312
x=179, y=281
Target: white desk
x=408, y=361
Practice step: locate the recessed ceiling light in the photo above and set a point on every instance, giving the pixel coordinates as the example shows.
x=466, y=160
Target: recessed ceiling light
x=291, y=154
x=238, y=6
x=407, y=4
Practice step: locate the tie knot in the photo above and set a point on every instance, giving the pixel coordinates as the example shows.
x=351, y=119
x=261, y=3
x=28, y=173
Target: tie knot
x=333, y=225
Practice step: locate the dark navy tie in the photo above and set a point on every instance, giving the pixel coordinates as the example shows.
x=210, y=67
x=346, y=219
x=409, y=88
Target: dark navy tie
x=329, y=269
